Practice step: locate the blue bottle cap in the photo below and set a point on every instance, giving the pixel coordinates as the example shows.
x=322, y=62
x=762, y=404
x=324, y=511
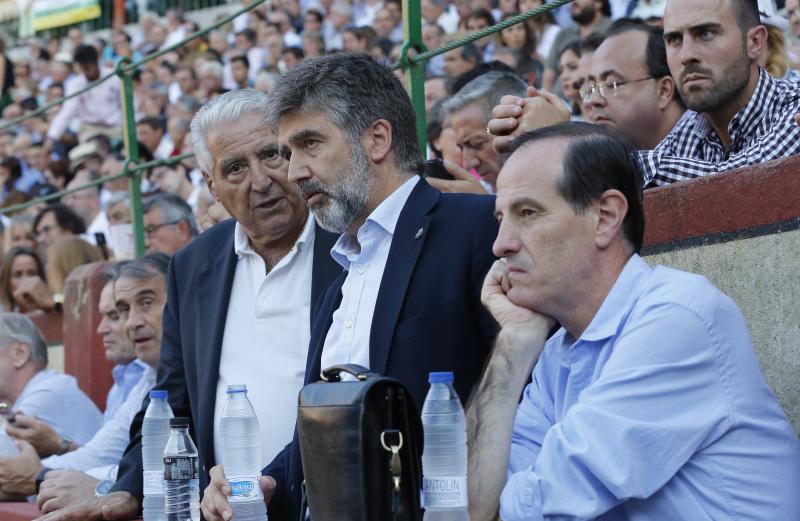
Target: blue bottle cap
x=441, y=378
x=237, y=388
x=155, y=393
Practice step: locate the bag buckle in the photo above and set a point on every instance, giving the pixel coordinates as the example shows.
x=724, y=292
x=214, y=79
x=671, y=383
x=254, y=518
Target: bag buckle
x=395, y=466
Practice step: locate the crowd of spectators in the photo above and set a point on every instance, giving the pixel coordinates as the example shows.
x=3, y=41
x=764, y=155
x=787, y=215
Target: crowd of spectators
x=697, y=99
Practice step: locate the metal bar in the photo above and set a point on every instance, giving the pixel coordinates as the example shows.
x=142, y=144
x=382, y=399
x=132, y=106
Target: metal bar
x=415, y=69
x=162, y=162
x=62, y=193
x=132, y=152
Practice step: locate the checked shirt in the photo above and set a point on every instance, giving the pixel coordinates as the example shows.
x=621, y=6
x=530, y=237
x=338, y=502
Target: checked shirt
x=763, y=130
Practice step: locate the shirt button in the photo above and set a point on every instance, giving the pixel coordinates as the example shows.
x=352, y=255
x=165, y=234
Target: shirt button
x=361, y=270
x=349, y=324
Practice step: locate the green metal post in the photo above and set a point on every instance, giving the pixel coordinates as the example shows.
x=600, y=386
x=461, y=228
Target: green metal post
x=132, y=153
x=415, y=72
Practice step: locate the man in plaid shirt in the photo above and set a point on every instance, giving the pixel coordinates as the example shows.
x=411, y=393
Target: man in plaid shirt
x=742, y=115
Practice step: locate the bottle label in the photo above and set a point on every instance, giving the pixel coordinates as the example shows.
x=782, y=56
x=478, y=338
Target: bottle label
x=180, y=467
x=444, y=491
x=153, y=483
x=244, y=489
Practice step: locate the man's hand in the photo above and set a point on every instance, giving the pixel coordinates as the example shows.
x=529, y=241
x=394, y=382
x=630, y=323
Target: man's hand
x=114, y=506
x=464, y=183
x=33, y=293
x=62, y=488
x=215, y=504
x=515, y=116
x=494, y=295
x=18, y=474
x=797, y=118
x=216, y=213
x=36, y=432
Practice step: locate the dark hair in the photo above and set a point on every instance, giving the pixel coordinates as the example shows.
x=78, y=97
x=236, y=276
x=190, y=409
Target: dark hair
x=6, y=298
x=152, y=122
x=145, y=268
x=747, y=15
x=596, y=160
x=656, y=52
x=484, y=15
x=65, y=217
x=591, y=43
x=85, y=54
x=30, y=103
x=530, y=38
x=470, y=53
x=14, y=167
x=353, y=92
x=433, y=127
x=574, y=46
x=173, y=209
x=297, y=52
x=167, y=65
x=249, y=34
x=241, y=58
x=316, y=14
x=476, y=71
x=606, y=8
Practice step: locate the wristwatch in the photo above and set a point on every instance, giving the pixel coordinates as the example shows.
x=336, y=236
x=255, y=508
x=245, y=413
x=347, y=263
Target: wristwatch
x=64, y=446
x=58, y=302
x=103, y=488
x=40, y=477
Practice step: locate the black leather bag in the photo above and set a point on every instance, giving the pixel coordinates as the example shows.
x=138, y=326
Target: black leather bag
x=361, y=445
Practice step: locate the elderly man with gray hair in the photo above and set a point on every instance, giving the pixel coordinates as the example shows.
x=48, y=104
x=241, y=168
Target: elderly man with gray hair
x=169, y=224
x=26, y=386
x=239, y=297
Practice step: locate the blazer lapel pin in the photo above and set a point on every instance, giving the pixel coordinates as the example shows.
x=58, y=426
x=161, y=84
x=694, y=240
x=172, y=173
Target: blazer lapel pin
x=419, y=234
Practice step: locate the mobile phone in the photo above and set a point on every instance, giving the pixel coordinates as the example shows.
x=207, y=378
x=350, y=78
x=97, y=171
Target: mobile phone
x=7, y=412
x=435, y=168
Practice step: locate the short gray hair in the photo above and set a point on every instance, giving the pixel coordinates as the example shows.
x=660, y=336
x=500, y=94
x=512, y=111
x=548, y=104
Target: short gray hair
x=16, y=327
x=213, y=67
x=173, y=208
x=120, y=196
x=223, y=110
x=487, y=90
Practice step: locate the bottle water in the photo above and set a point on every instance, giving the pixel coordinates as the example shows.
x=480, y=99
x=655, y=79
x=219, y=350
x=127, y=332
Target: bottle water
x=444, y=458
x=181, y=484
x=241, y=456
x=155, y=433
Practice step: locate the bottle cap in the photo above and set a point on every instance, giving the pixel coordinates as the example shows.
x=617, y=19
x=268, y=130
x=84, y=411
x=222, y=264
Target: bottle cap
x=241, y=388
x=179, y=422
x=441, y=378
x=158, y=394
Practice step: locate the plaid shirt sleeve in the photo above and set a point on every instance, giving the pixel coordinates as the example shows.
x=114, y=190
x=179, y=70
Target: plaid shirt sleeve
x=769, y=132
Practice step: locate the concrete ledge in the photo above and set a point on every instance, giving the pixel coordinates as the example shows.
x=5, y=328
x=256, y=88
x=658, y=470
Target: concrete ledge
x=741, y=230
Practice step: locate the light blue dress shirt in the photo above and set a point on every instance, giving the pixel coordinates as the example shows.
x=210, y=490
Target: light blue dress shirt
x=125, y=376
x=659, y=411
x=364, y=257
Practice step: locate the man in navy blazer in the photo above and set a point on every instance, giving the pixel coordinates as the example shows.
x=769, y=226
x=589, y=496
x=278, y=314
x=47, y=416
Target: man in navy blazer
x=409, y=302
x=239, y=157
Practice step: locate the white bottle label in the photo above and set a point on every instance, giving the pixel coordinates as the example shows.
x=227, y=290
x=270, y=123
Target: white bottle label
x=444, y=491
x=153, y=483
x=244, y=489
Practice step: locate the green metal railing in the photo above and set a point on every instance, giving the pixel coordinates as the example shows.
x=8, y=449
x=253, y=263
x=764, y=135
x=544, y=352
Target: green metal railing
x=413, y=59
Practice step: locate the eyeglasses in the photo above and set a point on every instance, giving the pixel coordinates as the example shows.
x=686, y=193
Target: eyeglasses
x=153, y=228
x=607, y=89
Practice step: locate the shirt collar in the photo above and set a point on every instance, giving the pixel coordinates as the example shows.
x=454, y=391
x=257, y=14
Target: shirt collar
x=617, y=303
x=241, y=242
x=120, y=372
x=384, y=216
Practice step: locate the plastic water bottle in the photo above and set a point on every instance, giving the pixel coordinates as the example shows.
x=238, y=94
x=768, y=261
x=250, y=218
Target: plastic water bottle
x=181, y=484
x=241, y=456
x=444, y=458
x=155, y=433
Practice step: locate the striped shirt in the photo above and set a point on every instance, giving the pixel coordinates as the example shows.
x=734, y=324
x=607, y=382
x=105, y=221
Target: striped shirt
x=763, y=130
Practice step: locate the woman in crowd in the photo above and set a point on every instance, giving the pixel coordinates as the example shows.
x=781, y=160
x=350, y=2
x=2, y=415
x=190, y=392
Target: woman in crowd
x=517, y=37
x=19, y=264
x=543, y=28
x=568, y=62
x=66, y=254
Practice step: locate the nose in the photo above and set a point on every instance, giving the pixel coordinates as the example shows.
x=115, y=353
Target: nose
x=102, y=327
x=262, y=179
x=298, y=170
x=595, y=99
x=469, y=158
x=688, y=52
x=134, y=322
x=507, y=243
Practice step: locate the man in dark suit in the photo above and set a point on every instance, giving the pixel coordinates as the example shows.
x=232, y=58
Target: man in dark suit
x=239, y=295
x=409, y=302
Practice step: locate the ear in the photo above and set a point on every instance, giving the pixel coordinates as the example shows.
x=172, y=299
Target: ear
x=378, y=141
x=611, y=208
x=210, y=184
x=20, y=354
x=665, y=91
x=756, y=41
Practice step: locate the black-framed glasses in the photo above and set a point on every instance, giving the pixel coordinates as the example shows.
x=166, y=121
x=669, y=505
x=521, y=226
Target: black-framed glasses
x=606, y=89
x=153, y=228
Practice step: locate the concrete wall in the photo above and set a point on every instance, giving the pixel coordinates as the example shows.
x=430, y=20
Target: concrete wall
x=741, y=230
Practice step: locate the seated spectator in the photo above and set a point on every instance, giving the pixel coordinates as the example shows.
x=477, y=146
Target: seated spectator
x=478, y=20
x=169, y=224
x=630, y=89
x=10, y=180
x=461, y=60
x=150, y=132
x=19, y=232
x=240, y=69
x=544, y=28
x=468, y=112
x=31, y=389
x=19, y=264
x=176, y=179
x=118, y=209
x=54, y=221
x=621, y=421
x=313, y=44
x=569, y=61
x=138, y=281
x=86, y=203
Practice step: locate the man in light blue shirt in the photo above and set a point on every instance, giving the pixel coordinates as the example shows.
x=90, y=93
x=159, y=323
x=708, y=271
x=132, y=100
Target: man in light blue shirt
x=648, y=404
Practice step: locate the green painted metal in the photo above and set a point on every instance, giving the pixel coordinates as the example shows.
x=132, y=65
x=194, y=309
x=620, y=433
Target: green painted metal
x=414, y=70
x=132, y=153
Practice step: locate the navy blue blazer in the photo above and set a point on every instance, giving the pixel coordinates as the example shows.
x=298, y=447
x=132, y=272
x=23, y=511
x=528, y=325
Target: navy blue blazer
x=198, y=290
x=428, y=315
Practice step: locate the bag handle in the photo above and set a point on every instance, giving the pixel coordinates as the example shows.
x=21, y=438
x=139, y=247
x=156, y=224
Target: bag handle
x=333, y=373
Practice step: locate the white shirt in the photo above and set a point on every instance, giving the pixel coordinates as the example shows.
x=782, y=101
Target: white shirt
x=98, y=225
x=265, y=343
x=56, y=400
x=108, y=445
x=364, y=257
x=100, y=106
